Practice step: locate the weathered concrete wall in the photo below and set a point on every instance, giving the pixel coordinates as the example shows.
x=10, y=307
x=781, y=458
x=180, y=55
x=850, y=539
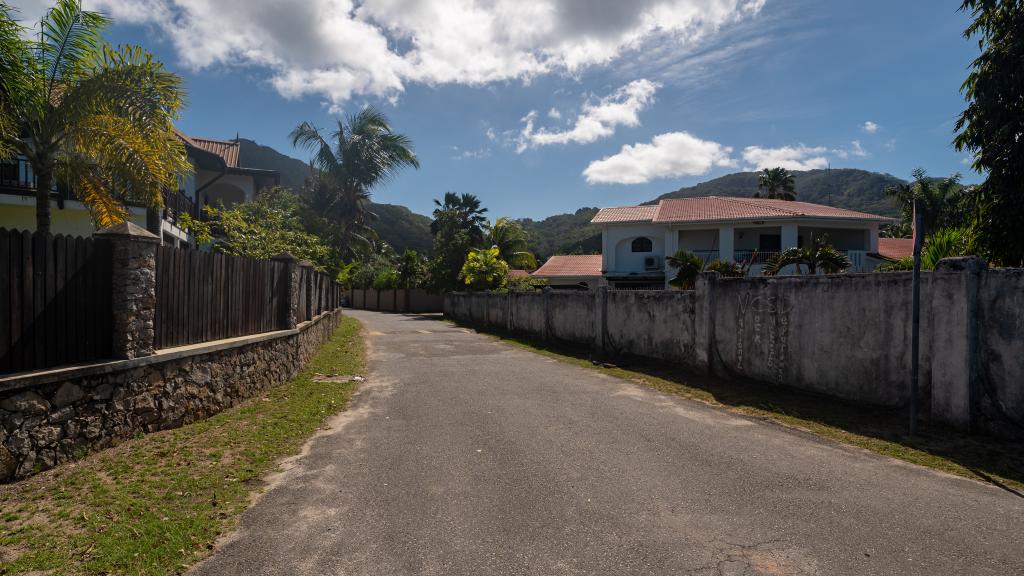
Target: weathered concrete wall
x=412, y=300
x=1001, y=346
x=847, y=336
x=571, y=316
x=50, y=417
x=657, y=324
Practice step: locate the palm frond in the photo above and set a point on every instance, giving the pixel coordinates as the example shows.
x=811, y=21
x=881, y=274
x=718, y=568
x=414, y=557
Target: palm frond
x=68, y=37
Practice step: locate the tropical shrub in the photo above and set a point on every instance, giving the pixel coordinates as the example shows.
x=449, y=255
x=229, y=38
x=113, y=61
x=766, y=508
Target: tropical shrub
x=484, y=270
x=820, y=256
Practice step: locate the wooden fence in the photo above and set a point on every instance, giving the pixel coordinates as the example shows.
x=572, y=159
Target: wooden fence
x=55, y=300
x=202, y=296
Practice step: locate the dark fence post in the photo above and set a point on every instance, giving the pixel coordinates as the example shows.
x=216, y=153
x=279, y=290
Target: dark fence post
x=291, y=297
x=133, y=288
x=307, y=271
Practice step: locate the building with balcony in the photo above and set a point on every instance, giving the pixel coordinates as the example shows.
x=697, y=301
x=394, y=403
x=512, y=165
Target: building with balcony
x=636, y=239
x=217, y=178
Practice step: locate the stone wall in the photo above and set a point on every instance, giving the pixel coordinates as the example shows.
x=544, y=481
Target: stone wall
x=54, y=416
x=847, y=336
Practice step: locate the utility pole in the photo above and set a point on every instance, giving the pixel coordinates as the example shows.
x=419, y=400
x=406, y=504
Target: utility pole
x=915, y=337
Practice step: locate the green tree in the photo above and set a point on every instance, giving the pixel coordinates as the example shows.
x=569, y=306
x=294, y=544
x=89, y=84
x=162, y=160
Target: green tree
x=13, y=78
x=942, y=203
x=263, y=228
x=991, y=128
x=688, y=266
x=776, y=183
x=511, y=240
x=359, y=154
x=484, y=270
x=821, y=255
x=411, y=269
x=95, y=118
x=458, y=227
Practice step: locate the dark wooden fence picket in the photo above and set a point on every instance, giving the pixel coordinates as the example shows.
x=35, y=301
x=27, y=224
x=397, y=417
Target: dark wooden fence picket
x=55, y=300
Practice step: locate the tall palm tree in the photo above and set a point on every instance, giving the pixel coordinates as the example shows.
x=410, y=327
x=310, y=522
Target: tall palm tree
x=96, y=118
x=776, y=183
x=821, y=255
x=511, y=241
x=460, y=212
x=359, y=154
x=942, y=202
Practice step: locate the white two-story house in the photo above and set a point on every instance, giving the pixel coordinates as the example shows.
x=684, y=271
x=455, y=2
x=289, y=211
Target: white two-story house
x=636, y=239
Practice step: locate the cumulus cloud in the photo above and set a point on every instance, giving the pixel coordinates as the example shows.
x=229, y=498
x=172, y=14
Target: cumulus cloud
x=798, y=157
x=342, y=48
x=854, y=150
x=667, y=155
x=870, y=127
x=597, y=119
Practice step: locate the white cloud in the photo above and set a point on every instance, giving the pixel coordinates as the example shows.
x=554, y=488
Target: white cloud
x=890, y=144
x=597, y=119
x=855, y=150
x=668, y=155
x=342, y=48
x=554, y=114
x=798, y=157
x=870, y=127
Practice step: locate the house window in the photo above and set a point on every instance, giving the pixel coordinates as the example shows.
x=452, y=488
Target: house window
x=643, y=245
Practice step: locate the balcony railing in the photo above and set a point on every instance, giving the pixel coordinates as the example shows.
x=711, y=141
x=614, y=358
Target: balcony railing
x=754, y=257
x=176, y=204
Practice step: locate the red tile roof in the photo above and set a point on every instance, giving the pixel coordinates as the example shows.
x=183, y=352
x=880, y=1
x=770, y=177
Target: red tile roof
x=895, y=247
x=717, y=208
x=589, y=265
x=518, y=274
x=625, y=214
x=228, y=150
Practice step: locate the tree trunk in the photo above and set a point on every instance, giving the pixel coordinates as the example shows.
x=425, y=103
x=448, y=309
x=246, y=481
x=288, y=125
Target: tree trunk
x=44, y=180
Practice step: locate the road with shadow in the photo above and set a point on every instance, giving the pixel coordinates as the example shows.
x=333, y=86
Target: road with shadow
x=462, y=455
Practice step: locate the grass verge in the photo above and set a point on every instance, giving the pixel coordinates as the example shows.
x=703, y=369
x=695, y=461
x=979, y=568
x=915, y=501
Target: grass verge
x=155, y=504
x=878, y=430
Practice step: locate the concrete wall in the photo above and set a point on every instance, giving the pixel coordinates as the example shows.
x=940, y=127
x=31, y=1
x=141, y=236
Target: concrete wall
x=413, y=300
x=49, y=417
x=846, y=336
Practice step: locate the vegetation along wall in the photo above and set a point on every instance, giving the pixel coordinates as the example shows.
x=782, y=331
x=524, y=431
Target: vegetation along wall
x=847, y=336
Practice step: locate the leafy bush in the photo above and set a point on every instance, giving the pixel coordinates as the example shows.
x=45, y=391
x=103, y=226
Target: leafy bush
x=484, y=270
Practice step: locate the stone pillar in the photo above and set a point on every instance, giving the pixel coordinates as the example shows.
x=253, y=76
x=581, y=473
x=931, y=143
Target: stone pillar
x=726, y=243
x=133, y=288
x=291, y=297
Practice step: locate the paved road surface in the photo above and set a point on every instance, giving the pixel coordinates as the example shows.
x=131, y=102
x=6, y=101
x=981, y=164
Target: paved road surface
x=465, y=456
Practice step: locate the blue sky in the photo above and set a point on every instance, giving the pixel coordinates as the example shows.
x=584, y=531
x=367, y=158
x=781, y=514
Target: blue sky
x=629, y=100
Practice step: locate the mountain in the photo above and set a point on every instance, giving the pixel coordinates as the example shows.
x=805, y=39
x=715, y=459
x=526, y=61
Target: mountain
x=397, y=225
x=841, y=187
x=563, y=234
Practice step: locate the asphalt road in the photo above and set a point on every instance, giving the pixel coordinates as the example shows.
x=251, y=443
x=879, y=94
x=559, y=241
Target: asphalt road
x=465, y=456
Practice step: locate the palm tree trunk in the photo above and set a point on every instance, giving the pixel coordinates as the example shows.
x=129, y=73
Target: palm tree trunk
x=44, y=180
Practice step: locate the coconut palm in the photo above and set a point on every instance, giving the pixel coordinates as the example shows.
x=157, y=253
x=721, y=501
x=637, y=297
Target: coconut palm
x=359, y=154
x=776, y=183
x=821, y=255
x=688, y=266
x=942, y=202
x=96, y=118
x=511, y=241
x=460, y=212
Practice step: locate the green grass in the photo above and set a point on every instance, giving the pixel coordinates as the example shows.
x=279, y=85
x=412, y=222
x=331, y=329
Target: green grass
x=878, y=430
x=156, y=504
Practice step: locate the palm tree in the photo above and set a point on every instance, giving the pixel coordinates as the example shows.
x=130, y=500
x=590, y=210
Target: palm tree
x=511, y=241
x=776, y=183
x=359, y=154
x=820, y=256
x=688, y=266
x=93, y=117
x=942, y=202
x=460, y=212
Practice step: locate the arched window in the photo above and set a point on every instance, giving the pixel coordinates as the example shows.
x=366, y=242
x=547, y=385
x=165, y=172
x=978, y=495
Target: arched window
x=643, y=245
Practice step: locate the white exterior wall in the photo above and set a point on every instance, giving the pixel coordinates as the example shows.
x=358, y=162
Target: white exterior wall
x=616, y=242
